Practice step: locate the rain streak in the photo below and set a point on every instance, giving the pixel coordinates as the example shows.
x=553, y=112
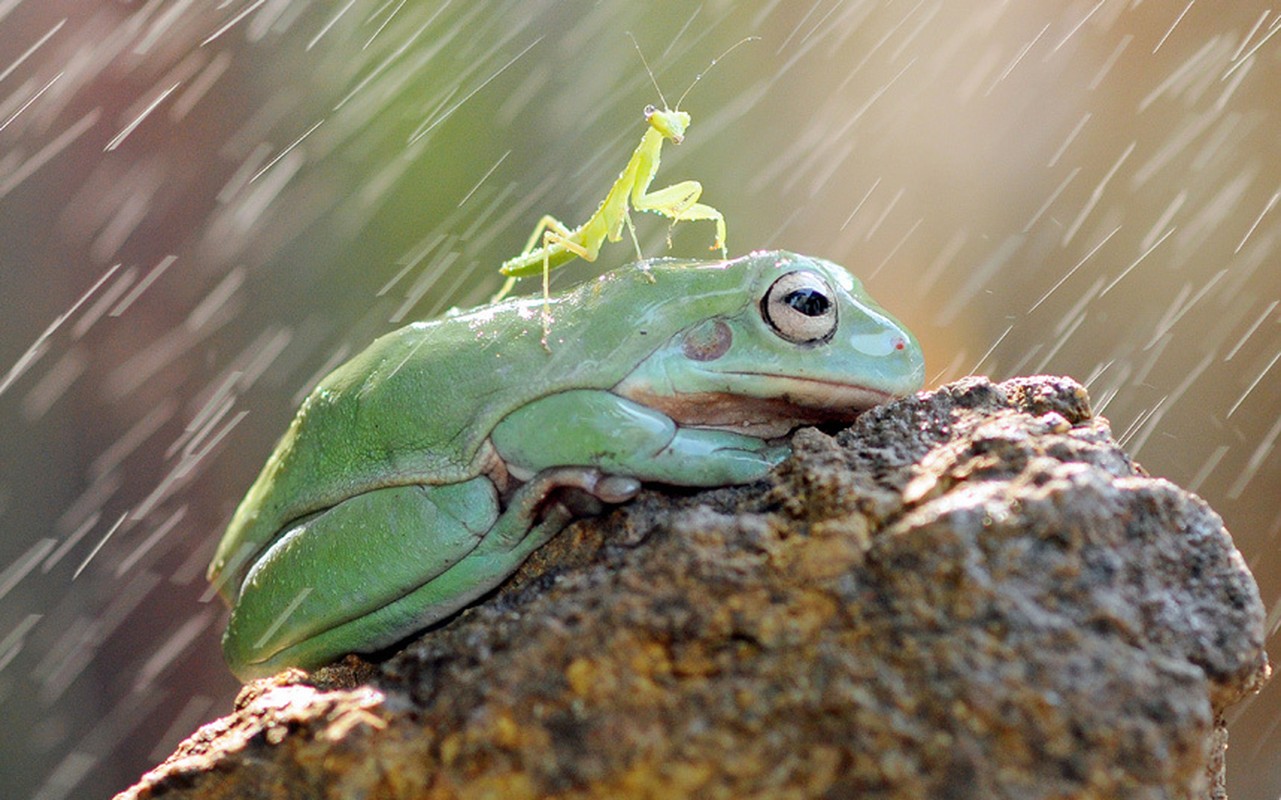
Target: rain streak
x=205, y=207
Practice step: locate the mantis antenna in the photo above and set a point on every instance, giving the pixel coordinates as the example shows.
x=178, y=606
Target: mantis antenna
x=700, y=75
x=697, y=77
x=652, y=79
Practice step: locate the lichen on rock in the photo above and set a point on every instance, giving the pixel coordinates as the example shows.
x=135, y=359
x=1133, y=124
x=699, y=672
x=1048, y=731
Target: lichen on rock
x=973, y=592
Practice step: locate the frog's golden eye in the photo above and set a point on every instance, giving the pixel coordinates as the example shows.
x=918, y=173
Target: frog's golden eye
x=799, y=307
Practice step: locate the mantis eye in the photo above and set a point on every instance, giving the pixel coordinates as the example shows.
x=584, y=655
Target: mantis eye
x=799, y=307
x=650, y=111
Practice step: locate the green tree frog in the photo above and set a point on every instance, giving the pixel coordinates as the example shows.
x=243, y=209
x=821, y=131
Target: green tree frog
x=422, y=473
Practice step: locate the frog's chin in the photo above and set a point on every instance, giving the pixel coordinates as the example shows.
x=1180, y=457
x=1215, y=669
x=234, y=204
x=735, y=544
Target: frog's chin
x=793, y=402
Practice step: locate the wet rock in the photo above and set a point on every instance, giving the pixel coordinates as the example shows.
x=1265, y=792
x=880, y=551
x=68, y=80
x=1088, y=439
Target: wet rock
x=973, y=592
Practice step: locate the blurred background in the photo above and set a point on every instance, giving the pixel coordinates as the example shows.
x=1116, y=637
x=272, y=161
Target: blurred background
x=206, y=206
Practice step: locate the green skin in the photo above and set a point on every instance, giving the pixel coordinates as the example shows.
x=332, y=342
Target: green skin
x=422, y=473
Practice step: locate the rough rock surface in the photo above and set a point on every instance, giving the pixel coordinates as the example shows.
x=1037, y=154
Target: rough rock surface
x=973, y=592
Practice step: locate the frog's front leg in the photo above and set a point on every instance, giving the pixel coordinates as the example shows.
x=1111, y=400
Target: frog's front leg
x=597, y=428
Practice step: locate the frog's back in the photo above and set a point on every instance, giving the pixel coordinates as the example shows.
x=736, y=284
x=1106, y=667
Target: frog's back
x=419, y=403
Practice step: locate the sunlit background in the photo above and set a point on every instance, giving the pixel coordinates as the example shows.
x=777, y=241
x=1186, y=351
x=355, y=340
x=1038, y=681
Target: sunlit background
x=206, y=206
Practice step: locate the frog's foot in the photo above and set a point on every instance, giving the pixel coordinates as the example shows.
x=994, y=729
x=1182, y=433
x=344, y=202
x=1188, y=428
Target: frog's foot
x=551, y=499
x=536, y=512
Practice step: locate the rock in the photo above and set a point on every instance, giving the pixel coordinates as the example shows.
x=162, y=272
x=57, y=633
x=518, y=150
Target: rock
x=973, y=592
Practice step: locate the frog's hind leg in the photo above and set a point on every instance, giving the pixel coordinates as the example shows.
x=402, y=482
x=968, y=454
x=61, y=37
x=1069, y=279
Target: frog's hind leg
x=342, y=579
x=384, y=564
x=534, y=514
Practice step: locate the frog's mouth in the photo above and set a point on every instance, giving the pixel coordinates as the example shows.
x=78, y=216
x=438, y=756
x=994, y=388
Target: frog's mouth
x=792, y=402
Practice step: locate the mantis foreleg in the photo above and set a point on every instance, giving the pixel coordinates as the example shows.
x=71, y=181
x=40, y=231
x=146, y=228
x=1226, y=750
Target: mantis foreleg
x=679, y=203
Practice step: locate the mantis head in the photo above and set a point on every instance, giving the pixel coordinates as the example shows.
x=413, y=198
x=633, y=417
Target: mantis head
x=671, y=124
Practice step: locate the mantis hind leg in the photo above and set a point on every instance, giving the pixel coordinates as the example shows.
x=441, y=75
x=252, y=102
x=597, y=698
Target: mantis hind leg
x=547, y=223
x=679, y=203
x=546, y=227
x=568, y=240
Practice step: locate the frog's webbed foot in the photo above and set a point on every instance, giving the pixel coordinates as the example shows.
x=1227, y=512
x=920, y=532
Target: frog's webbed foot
x=550, y=500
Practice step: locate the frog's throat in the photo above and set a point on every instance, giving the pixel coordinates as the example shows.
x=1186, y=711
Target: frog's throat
x=801, y=402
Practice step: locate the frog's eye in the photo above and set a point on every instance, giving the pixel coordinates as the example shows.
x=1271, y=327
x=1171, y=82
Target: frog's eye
x=799, y=307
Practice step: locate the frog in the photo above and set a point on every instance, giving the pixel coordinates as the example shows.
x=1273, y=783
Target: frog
x=419, y=475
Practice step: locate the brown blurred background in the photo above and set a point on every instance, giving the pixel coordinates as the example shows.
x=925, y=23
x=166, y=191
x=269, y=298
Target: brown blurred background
x=205, y=206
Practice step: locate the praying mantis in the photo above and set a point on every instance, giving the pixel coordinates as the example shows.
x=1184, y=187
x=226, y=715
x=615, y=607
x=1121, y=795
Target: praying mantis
x=679, y=202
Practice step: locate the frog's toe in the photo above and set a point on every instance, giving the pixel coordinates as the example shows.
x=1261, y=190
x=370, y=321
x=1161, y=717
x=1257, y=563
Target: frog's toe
x=584, y=478
x=598, y=486
x=616, y=488
x=601, y=486
x=776, y=454
x=583, y=490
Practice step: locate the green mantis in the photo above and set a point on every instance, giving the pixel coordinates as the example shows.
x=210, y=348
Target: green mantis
x=678, y=202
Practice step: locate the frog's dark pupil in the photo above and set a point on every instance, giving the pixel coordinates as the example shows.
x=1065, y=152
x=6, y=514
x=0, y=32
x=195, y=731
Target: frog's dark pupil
x=810, y=302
